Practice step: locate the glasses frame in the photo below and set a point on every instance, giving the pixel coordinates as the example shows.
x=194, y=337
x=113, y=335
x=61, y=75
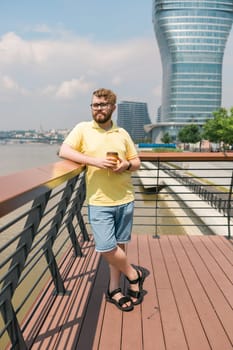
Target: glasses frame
x=102, y=105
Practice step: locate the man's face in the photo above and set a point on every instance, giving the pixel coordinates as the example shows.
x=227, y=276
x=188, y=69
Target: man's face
x=101, y=110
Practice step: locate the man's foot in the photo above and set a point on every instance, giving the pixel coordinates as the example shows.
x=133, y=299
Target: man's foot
x=136, y=293
x=124, y=303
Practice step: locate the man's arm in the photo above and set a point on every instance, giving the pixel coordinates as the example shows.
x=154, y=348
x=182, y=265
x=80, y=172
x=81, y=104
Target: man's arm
x=68, y=152
x=134, y=164
x=130, y=165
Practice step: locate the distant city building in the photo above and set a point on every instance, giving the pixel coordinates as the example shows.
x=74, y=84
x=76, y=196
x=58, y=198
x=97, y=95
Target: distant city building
x=158, y=117
x=132, y=116
x=192, y=36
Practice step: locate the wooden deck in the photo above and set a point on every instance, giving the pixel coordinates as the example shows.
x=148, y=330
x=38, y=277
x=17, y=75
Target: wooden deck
x=188, y=303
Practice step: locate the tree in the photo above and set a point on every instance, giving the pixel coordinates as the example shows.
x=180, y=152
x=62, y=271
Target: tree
x=190, y=134
x=166, y=138
x=220, y=128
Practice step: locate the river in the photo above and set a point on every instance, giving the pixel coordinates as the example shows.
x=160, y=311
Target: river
x=16, y=157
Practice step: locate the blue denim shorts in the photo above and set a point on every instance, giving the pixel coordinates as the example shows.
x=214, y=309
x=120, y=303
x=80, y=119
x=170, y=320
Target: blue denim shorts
x=111, y=225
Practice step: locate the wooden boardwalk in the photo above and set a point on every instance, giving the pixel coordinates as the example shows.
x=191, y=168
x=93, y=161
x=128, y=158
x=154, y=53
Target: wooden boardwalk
x=188, y=303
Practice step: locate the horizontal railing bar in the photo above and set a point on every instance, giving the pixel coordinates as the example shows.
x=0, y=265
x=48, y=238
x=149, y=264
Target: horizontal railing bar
x=31, y=290
x=185, y=156
x=190, y=176
x=33, y=262
x=181, y=225
x=6, y=286
x=14, y=221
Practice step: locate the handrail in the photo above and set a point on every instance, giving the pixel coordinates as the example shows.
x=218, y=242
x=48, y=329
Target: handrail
x=185, y=156
x=50, y=221
x=18, y=188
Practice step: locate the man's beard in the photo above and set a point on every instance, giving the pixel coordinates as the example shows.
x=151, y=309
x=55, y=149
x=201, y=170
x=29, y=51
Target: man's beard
x=103, y=118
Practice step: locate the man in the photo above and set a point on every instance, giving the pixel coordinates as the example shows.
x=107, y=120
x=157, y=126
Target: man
x=109, y=192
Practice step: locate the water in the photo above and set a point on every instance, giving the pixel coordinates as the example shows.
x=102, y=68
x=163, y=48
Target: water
x=17, y=157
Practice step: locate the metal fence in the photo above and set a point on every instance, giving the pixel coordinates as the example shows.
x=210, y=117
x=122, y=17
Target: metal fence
x=35, y=238
x=174, y=194
x=185, y=197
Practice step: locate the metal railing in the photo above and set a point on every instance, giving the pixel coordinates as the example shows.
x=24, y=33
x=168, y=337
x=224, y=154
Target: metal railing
x=190, y=197
x=44, y=216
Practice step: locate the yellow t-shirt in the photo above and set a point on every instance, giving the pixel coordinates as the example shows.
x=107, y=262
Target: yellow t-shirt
x=104, y=187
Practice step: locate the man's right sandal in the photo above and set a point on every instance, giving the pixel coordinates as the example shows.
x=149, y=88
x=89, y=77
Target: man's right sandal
x=121, y=302
x=138, y=295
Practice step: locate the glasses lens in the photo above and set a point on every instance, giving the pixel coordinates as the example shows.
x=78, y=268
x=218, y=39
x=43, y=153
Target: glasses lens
x=96, y=106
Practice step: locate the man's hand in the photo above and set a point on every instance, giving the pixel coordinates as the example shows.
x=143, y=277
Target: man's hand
x=105, y=163
x=122, y=165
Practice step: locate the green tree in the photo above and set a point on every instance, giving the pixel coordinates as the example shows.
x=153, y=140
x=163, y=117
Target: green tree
x=166, y=138
x=220, y=128
x=190, y=134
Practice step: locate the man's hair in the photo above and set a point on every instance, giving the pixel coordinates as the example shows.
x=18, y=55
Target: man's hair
x=107, y=94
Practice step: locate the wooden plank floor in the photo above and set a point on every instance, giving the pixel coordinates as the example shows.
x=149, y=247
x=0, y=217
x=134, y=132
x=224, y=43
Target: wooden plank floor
x=188, y=303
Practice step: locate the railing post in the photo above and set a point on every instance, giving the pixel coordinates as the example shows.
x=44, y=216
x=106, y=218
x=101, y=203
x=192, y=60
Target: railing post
x=229, y=207
x=156, y=235
x=52, y=233
x=13, y=329
x=82, y=196
x=76, y=211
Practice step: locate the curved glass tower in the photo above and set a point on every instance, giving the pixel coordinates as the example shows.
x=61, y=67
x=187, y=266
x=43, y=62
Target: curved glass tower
x=191, y=36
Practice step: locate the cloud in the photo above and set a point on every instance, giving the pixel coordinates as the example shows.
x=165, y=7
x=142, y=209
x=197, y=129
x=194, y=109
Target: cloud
x=117, y=80
x=49, y=61
x=13, y=49
x=10, y=85
x=52, y=73
x=68, y=89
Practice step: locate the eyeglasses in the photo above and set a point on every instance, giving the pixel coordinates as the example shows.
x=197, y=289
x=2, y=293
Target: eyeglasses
x=97, y=106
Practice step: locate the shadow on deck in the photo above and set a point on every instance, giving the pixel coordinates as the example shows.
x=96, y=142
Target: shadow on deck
x=188, y=302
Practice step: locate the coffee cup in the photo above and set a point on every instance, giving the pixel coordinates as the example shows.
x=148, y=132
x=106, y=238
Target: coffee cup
x=113, y=156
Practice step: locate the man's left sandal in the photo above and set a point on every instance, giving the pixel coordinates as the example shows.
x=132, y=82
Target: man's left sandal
x=121, y=302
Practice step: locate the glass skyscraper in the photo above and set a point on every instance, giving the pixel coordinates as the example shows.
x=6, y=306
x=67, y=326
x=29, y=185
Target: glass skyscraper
x=191, y=36
x=132, y=116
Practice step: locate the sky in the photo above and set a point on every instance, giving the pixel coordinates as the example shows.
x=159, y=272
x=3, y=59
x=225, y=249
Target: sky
x=54, y=53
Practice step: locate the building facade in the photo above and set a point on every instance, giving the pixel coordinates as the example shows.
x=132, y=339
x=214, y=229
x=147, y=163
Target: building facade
x=192, y=36
x=132, y=116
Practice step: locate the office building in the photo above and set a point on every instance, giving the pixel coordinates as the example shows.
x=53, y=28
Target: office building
x=192, y=36
x=132, y=116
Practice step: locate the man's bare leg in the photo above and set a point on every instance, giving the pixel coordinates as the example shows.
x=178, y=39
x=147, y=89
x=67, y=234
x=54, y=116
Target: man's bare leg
x=118, y=263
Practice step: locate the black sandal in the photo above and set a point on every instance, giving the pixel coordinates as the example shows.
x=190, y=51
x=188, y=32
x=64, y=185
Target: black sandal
x=119, y=303
x=139, y=295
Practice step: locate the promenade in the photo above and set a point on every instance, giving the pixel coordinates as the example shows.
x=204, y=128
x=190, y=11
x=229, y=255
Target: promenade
x=187, y=305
